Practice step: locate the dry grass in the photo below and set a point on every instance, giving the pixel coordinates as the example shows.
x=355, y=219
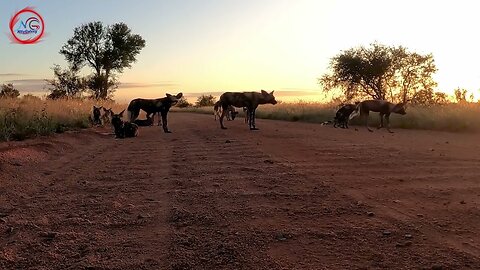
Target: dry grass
x=450, y=117
x=28, y=117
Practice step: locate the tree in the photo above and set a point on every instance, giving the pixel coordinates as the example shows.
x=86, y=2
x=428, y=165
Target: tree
x=205, y=100
x=429, y=97
x=105, y=49
x=379, y=72
x=460, y=95
x=8, y=91
x=66, y=83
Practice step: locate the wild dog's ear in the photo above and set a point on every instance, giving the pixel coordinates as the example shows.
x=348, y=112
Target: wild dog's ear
x=168, y=95
x=179, y=95
x=121, y=113
x=271, y=93
x=264, y=92
x=105, y=110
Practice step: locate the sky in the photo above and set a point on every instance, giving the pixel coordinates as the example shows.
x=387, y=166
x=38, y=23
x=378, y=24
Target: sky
x=212, y=46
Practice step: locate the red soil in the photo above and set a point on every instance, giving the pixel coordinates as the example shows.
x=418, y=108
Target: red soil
x=290, y=196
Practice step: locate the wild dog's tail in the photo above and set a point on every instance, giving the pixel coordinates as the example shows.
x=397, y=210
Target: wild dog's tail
x=129, y=115
x=356, y=112
x=216, y=111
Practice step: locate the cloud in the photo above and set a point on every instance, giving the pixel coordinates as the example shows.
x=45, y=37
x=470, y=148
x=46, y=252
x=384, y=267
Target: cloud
x=12, y=74
x=29, y=85
x=27, y=81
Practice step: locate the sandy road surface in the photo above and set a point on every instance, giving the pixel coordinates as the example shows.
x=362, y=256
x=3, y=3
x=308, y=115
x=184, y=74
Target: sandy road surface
x=290, y=196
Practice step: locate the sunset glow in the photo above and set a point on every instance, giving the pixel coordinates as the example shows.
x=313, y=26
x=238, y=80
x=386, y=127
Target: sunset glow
x=230, y=45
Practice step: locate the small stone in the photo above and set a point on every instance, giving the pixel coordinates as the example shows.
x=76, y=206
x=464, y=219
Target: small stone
x=396, y=201
x=228, y=141
x=463, y=202
x=2, y=215
x=268, y=161
x=370, y=214
x=9, y=230
x=140, y=216
x=419, y=215
x=408, y=236
x=386, y=233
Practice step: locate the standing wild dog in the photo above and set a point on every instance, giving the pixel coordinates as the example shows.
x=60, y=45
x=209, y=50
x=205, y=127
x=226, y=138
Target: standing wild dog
x=107, y=115
x=96, y=115
x=231, y=114
x=144, y=123
x=123, y=129
x=383, y=107
x=342, y=116
x=250, y=100
x=152, y=106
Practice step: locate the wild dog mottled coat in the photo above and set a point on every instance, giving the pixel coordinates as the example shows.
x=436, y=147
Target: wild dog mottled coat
x=152, y=106
x=250, y=100
x=383, y=107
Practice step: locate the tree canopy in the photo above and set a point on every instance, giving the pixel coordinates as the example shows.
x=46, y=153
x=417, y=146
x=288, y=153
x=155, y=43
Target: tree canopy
x=8, y=91
x=379, y=72
x=105, y=49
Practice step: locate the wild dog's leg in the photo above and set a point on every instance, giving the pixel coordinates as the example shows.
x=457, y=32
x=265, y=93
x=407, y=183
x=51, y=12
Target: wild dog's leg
x=387, y=118
x=164, y=122
x=381, y=121
x=252, y=120
x=221, y=118
x=159, y=118
x=365, y=115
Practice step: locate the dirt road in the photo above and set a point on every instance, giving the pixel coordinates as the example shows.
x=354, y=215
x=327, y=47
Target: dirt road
x=290, y=196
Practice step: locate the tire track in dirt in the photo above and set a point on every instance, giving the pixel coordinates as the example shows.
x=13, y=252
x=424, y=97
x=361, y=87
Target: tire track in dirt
x=290, y=196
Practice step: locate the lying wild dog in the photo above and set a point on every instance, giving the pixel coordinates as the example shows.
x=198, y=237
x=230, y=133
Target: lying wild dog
x=123, y=129
x=107, y=116
x=152, y=106
x=383, y=107
x=250, y=100
x=342, y=116
x=144, y=123
x=231, y=114
x=96, y=115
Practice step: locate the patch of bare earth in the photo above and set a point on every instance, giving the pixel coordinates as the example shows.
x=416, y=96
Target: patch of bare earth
x=290, y=196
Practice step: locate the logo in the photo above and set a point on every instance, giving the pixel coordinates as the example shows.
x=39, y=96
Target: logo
x=26, y=26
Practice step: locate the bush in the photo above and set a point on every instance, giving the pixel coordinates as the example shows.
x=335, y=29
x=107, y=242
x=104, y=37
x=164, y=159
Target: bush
x=26, y=118
x=205, y=100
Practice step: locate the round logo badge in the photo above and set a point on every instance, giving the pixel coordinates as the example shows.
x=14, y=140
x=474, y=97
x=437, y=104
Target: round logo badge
x=27, y=26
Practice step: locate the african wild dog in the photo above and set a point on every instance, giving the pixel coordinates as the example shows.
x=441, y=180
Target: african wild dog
x=96, y=115
x=383, y=107
x=250, y=100
x=231, y=113
x=123, y=129
x=107, y=115
x=342, y=116
x=152, y=106
x=144, y=123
